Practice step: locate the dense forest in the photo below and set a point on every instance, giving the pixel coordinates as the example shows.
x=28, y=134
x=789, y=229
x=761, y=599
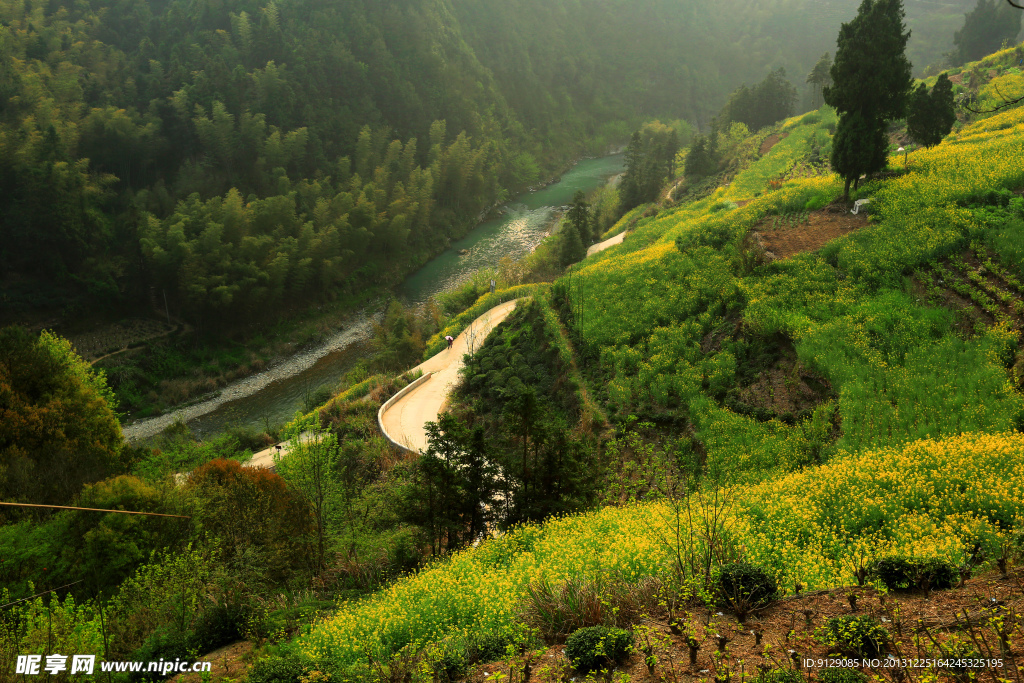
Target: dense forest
x=234, y=158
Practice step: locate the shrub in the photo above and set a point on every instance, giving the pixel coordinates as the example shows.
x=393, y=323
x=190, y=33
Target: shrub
x=816, y=202
x=451, y=665
x=859, y=636
x=488, y=647
x=276, y=670
x=218, y=626
x=907, y=573
x=557, y=610
x=596, y=646
x=811, y=118
x=744, y=587
x=841, y=676
x=779, y=676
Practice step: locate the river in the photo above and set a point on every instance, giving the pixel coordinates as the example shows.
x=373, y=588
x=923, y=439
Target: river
x=273, y=396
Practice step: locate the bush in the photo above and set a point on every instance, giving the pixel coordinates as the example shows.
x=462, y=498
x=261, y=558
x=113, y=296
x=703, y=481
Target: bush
x=594, y=647
x=816, y=202
x=488, y=647
x=556, y=610
x=841, y=676
x=743, y=587
x=276, y=670
x=858, y=636
x=779, y=676
x=451, y=665
x=218, y=626
x=909, y=573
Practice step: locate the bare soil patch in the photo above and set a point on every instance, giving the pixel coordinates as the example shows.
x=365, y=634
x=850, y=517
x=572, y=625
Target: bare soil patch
x=820, y=228
x=228, y=663
x=918, y=625
x=771, y=141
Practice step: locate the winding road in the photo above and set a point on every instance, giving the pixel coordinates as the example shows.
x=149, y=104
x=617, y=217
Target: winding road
x=403, y=420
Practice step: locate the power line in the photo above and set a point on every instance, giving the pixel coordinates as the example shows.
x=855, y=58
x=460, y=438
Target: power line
x=68, y=507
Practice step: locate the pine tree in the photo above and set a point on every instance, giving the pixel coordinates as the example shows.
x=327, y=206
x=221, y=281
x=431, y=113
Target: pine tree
x=570, y=246
x=859, y=147
x=931, y=115
x=819, y=78
x=871, y=79
x=579, y=217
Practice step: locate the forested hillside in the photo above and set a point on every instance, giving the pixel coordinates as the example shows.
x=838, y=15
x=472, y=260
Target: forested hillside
x=238, y=157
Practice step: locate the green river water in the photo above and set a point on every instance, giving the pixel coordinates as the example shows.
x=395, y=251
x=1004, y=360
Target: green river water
x=275, y=395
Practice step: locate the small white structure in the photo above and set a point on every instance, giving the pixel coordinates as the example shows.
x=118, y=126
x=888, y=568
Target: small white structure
x=857, y=204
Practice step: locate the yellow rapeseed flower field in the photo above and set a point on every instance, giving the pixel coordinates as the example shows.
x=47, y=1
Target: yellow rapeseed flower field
x=930, y=498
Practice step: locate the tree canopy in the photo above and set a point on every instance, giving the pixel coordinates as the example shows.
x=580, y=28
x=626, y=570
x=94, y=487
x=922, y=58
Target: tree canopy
x=931, y=115
x=58, y=429
x=871, y=79
x=769, y=101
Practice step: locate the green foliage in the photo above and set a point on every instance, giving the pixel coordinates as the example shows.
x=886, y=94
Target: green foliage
x=985, y=28
x=399, y=339
x=871, y=81
x=56, y=416
x=650, y=160
x=451, y=665
x=836, y=675
x=744, y=587
x=454, y=488
x=165, y=596
x=579, y=218
x=455, y=326
x=819, y=78
x=702, y=159
x=521, y=388
x=570, y=246
x=263, y=526
x=854, y=635
x=931, y=115
x=912, y=573
x=769, y=101
x=779, y=676
x=871, y=73
x=595, y=647
x=277, y=670
x=859, y=147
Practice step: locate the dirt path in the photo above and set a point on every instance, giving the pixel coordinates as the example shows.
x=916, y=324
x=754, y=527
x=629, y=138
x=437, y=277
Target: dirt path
x=404, y=420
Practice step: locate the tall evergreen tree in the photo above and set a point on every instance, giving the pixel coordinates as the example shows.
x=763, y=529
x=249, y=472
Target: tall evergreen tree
x=984, y=30
x=871, y=78
x=931, y=115
x=579, y=217
x=819, y=78
x=859, y=147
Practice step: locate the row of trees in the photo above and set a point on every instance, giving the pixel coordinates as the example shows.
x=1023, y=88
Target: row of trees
x=771, y=100
x=650, y=161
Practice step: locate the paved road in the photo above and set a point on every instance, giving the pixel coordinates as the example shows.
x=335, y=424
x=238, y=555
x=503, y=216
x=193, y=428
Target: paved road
x=265, y=458
x=610, y=242
x=405, y=419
